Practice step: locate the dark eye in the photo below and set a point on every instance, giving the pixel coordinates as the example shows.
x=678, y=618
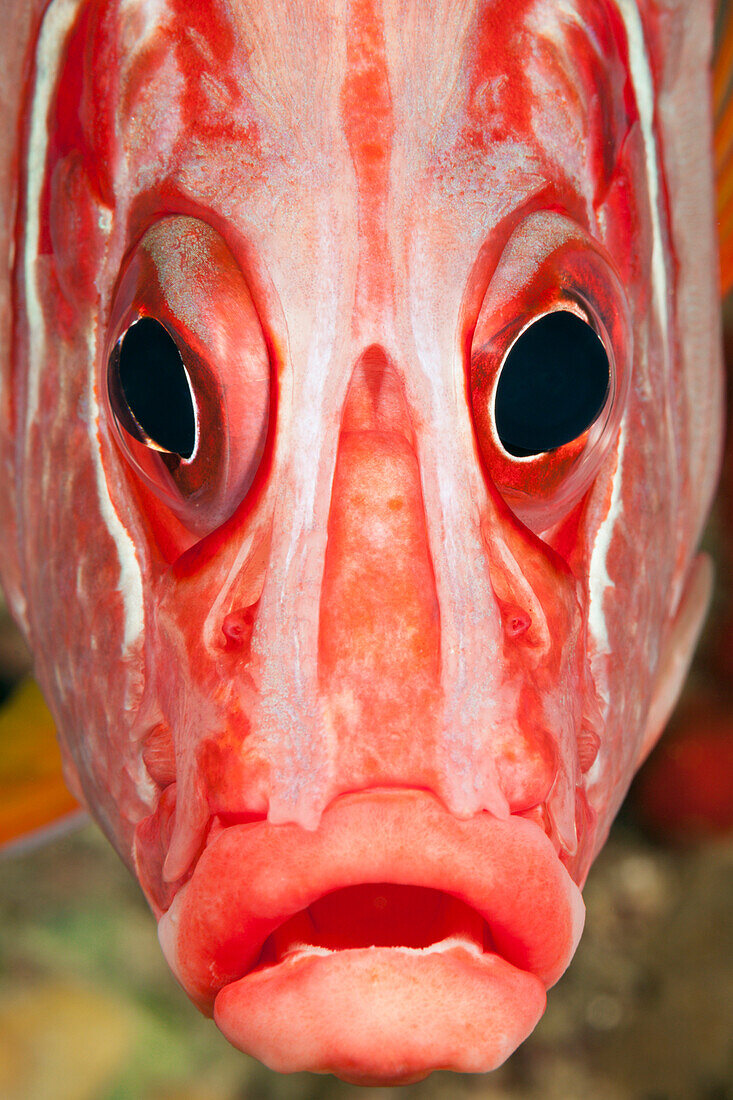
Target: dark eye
x=187, y=388
x=552, y=386
x=150, y=391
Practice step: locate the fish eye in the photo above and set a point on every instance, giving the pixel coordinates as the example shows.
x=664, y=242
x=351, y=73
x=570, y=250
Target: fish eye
x=150, y=390
x=186, y=380
x=552, y=386
x=549, y=368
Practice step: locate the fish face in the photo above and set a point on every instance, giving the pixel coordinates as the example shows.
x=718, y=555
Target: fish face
x=365, y=388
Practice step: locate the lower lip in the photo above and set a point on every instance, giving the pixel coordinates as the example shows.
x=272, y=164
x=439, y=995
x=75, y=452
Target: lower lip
x=382, y=1015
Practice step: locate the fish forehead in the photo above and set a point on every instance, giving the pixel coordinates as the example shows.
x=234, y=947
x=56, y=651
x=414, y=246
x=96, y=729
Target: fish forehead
x=294, y=51
x=367, y=80
x=349, y=133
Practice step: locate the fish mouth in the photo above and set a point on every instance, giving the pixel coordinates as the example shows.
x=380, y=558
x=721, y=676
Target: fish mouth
x=392, y=941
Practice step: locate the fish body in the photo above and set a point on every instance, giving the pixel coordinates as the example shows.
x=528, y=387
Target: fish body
x=354, y=678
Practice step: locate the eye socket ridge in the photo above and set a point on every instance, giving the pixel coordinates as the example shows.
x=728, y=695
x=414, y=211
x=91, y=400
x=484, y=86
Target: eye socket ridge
x=193, y=442
x=552, y=384
x=549, y=263
x=150, y=391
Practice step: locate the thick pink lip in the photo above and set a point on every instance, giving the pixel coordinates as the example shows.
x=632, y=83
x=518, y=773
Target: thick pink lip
x=375, y=1013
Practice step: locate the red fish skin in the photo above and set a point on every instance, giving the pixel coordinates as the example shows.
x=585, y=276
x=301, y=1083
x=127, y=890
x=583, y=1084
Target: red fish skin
x=363, y=601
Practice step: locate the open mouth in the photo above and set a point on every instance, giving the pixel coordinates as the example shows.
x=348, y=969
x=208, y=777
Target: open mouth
x=383, y=914
x=392, y=941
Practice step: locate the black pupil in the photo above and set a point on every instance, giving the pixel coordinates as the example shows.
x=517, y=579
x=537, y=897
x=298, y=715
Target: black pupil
x=155, y=387
x=553, y=385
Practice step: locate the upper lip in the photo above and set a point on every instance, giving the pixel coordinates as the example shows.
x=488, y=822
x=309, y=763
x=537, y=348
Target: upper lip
x=253, y=878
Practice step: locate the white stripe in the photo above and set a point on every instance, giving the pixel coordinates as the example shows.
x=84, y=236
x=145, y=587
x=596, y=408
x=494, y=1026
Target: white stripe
x=641, y=76
x=643, y=81
x=130, y=584
x=57, y=22
x=598, y=578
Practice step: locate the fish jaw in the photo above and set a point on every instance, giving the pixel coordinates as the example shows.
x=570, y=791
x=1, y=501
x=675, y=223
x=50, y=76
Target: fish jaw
x=260, y=936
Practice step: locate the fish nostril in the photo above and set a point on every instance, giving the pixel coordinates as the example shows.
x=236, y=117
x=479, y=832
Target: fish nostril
x=237, y=628
x=516, y=622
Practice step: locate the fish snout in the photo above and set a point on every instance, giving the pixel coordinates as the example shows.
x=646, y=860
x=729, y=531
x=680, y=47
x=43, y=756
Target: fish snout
x=399, y=672
x=379, y=616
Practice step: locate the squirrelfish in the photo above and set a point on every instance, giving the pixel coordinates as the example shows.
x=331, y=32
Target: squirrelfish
x=360, y=412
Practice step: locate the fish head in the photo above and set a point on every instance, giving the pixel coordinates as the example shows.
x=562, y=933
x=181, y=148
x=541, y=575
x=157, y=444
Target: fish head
x=361, y=415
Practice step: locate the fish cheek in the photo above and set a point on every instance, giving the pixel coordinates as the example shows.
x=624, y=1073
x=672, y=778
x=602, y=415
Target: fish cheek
x=526, y=758
x=83, y=616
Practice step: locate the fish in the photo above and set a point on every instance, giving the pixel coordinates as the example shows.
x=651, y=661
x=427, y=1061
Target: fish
x=360, y=411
